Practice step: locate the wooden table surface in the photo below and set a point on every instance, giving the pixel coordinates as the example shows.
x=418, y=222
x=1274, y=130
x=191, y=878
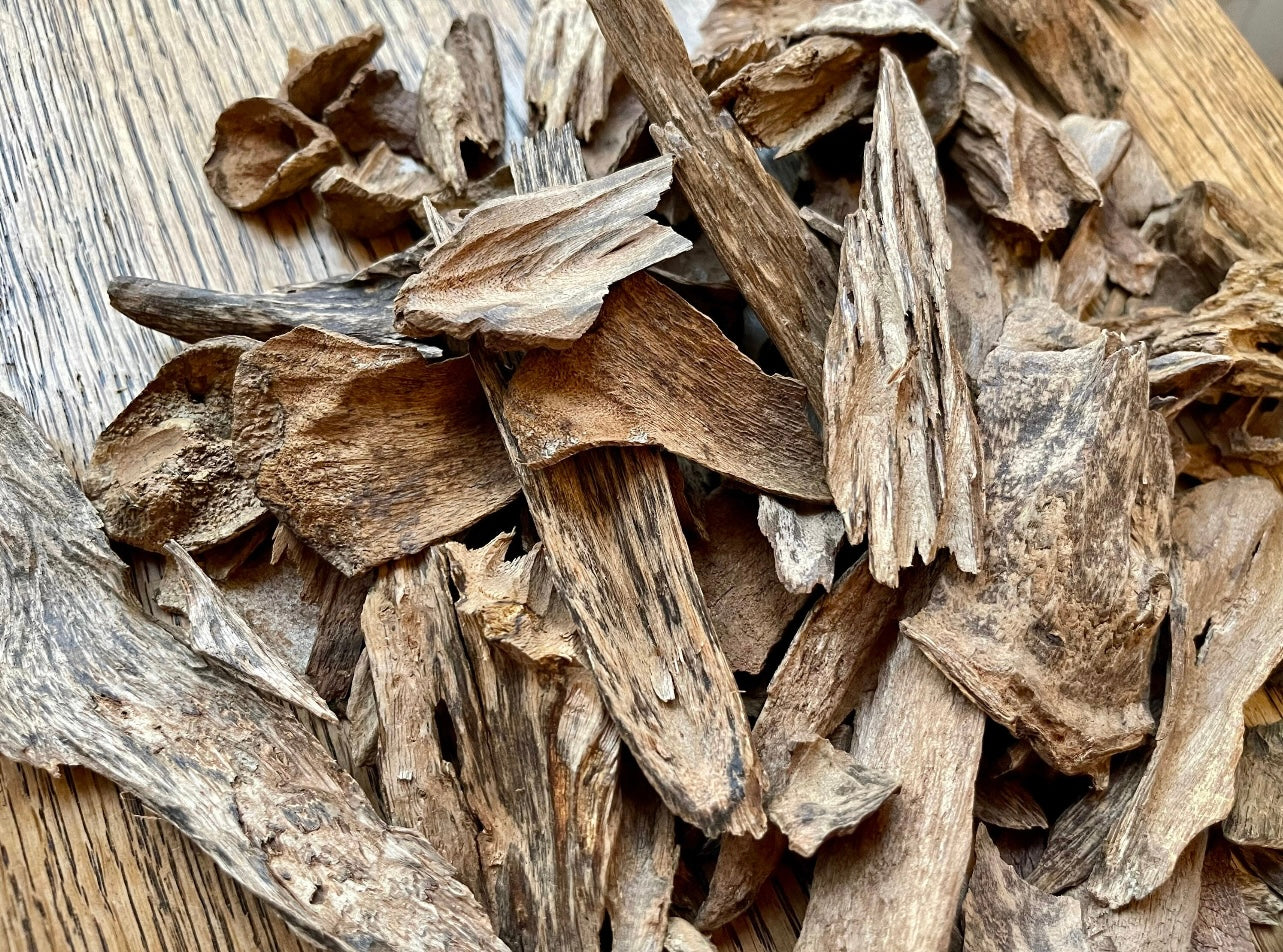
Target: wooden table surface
x=105, y=113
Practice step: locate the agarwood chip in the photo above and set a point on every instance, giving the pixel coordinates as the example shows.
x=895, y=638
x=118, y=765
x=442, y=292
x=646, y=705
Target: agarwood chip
x=1222, y=924
x=1102, y=142
x=717, y=67
x=1018, y=165
x=1054, y=638
x=360, y=723
x=1249, y=429
x=569, y=72
x=376, y=108
x=640, y=882
x=976, y=311
x=1211, y=229
x=265, y=150
x=164, y=468
x=901, y=447
x=1104, y=246
x=733, y=23
x=616, y=138
x=532, y=270
x=804, y=542
x=1006, y=803
x=684, y=937
x=377, y=196
x=315, y=79
x=367, y=453
x=874, y=18
x=1138, y=186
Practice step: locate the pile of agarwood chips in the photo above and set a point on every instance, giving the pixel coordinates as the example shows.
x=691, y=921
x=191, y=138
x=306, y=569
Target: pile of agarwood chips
x=828, y=458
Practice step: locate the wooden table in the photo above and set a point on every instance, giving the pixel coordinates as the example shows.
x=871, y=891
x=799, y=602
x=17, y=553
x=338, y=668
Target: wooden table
x=105, y=113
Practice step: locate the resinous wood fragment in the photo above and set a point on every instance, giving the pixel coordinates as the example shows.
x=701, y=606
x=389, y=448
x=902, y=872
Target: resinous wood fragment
x=901, y=446
x=731, y=23
x=1004, y=802
x=265, y=150
x=367, y=453
x=1018, y=165
x=1211, y=228
x=1225, y=642
x=653, y=371
x=376, y=108
x=640, y=883
x=804, y=542
x=1138, y=186
x=89, y=680
x=316, y=78
x=532, y=270
x=1221, y=924
x=165, y=468
x=1054, y=638
x=1257, y=816
x=976, y=311
x=684, y=937
x=569, y=72
x=377, y=195
x=1102, y=142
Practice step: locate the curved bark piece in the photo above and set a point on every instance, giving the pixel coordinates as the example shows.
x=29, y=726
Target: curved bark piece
x=377, y=196
x=89, y=680
x=902, y=452
x=1054, y=639
x=804, y=543
x=653, y=371
x=164, y=469
x=367, y=453
x=532, y=270
x=569, y=72
x=376, y=108
x=1225, y=642
x=315, y=79
x=1257, y=816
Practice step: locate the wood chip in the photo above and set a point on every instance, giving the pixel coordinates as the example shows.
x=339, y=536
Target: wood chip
x=644, y=862
x=376, y=108
x=804, y=543
x=892, y=375
x=265, y=150
x=731, y=23
x=315, y=79
x=1102, y=142
x=569, y=73
x=976, y=312
x=684, y=937
x=367, y=453
x=1004, y=802
x=1221, y=924
x=1257, y=816
x=1138, y=185
x=532, y=270
x=377, y=196
x=164, y=469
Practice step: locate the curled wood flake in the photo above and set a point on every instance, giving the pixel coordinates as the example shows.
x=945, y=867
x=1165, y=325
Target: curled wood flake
x=1257, y=818
x=569, y=72
x=165, y=469
x=367, y=453
x=376, y=108
x=826, y=794
x=901, y=448
x=375, y=197
x=315, y=79
x=1179, y=378
x=1225, y=642
x=804, y=543
x=1003, y=913
x=716, y=67
x=461, y=101
x=1102, y=142
x=653, y=371
x=89, y=680
x=532, y=270
x=265, y=150
x=643, y=864
x=1018, y=165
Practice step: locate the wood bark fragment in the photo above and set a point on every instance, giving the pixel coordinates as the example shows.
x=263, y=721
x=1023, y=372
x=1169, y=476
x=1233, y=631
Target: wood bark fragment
x=315, y=79
x=804, y=543
x=1257, y=816
x=367, y=453
x=1054, y=640
x=265, y=150
x=1102, y=142
x=901, y=447
x=569, y=72
x=376, y=108
x=375, y=197
x=532, y=270
x=165, y=469
x=1221, y=924
x=89, y=680
x=643, y=864
x=1225, y=642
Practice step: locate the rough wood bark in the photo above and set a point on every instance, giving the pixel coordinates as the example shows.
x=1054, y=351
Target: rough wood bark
x=804, y=542
x=367, y=453
x=376, y=108
x=1257, y=816
x=317, y=78
x=569, y=73
x=377, y=195
x=901, y=447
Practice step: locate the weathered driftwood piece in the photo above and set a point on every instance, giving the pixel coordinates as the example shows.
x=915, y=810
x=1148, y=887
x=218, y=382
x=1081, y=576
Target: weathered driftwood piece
x=640, y=882
x=367, y=453
x=783, y=270
x=569, y=73
x=1102, y=142
x=532, y=270
x=1054, y=638
x=316, y=78
x=684, y=937
x=901, y=447
x=1221, y=924
x=164, y=468
x=265, y=150
x=1018, y=165
x=749, y=607
x=1067, y=46
x=804, y=543
x=653, y=371
x=1257, y=816
x=377, y=195
x=1003, y=913
x=461, y=101
x=825, y=794
x=376, y=108
x=895, y=883
x=1225, y=642
x=1004, y=802
x=89, y=680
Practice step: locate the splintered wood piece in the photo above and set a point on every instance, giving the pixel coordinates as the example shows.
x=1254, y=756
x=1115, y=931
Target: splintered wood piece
x=653, y=371
x=1257, y=816
x=975, y=295
x=165, y=469
x=732, y=23
x=367, y=453
x=1003, y=913
x=532, y=270
x=895, y=883
x=1104, y=246
x=1211, y=229
x=376, y=108
x=684, y=937
x=901, y=447
x=826, y=794
x=1078, y=484
x=265, y=150
x=569, y=73
x=1138, y=185
x=377, y=196
x=717, y=67
x=640, y=883
x=360, y=724
x=1004, y=802
x=218, y=632
x=88, y=679
x=315, y=79
x=782, y=268
x=1018, y=165
x=840, y=645
x=1225, y=642
x=461, y=101
x=616, y=137
x=1067, y=46
x=1221, y=924
x=1102, y=142
x=749, y=607
x=804, y=544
